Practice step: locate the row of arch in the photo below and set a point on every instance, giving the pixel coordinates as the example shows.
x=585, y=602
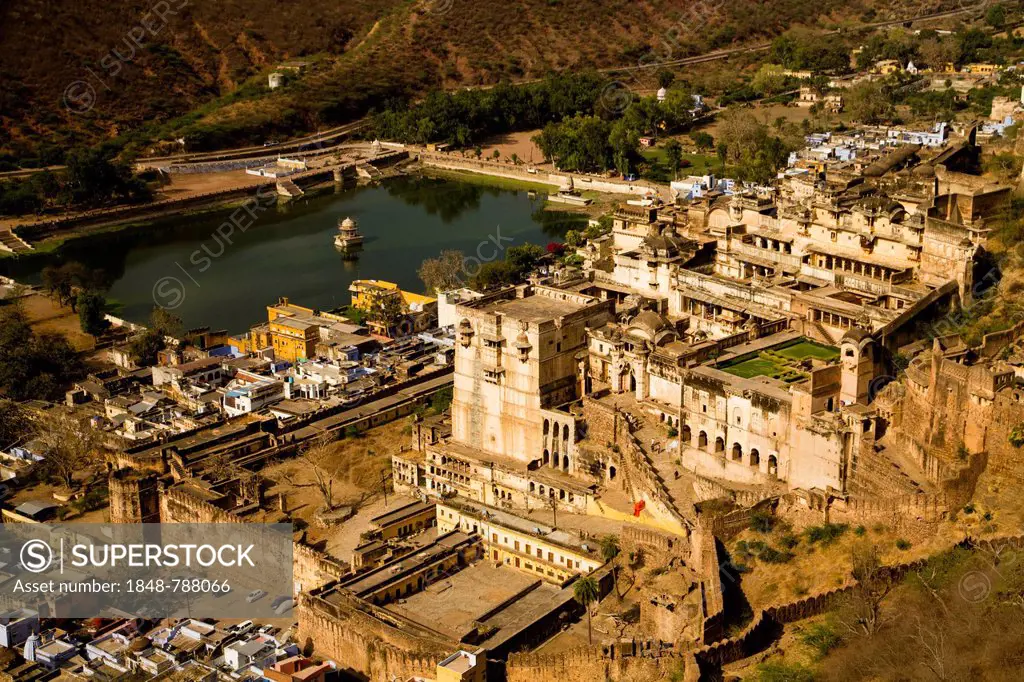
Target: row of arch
x=753, y=458
x=556, y=461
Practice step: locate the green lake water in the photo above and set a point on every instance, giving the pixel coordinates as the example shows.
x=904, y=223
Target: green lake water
x=226, y=282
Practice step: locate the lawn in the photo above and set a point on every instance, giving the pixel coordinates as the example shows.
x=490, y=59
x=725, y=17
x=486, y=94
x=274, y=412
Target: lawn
x=801, y=350
x=700, y=164
x=781, y=362
x=752, y=367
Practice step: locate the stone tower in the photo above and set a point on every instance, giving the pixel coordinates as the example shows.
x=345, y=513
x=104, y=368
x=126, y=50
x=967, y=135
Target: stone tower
x=857, y=356
x=134, y=497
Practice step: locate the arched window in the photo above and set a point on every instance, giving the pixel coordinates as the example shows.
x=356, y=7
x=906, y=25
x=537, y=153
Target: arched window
x=702, y=440
x=719, y=445
x=755, y=458
x=611, y=473
x=773, y=466
x=547, y=456
x=737, y=452
x=685, y=434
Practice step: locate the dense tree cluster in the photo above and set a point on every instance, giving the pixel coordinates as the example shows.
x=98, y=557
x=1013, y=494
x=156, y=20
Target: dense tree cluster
x=93, y=177
x=804, y=50
x=463, y=117
x=33, y=365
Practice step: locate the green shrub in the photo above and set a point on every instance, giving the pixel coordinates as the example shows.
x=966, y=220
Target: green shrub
x=902, y=544
x=859, y=531
x=762, y=521
x=822, y=638
x=826, y=533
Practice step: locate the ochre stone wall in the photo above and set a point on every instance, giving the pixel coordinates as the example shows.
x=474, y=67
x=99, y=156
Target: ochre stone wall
x=380, y=646
x=624, y=662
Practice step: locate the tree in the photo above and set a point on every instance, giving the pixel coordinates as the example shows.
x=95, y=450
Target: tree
x=33, y=365
x=14, y=423
x=93, y=177
x=625, y=143
x=665, y=78
x=868, y=103
x=769, y=80
x=610, y=550
x=703, y=140
x=442, y=273
x=162, y=324
x=674, y=154
x=874, y=583
x=318, y=454
x=385, y=307
x=996, y=16
x=585, y=591
x=67, y=446
x=523, y=258
x=92, y=313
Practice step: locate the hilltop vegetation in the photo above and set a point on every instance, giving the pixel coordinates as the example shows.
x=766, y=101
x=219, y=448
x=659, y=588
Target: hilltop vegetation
x=77, y=73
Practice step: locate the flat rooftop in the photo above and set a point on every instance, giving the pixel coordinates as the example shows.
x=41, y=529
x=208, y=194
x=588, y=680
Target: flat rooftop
x=394, y=515
x=453, y=605
x=535, y=308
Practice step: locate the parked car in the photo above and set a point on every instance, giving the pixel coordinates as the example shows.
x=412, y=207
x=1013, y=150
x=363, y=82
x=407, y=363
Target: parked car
x=255, y=595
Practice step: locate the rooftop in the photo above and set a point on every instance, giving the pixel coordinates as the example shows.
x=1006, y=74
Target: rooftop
x=535, y=308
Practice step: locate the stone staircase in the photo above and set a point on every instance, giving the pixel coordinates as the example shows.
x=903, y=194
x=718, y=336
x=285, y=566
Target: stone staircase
x=12, y=243
x=288, y=188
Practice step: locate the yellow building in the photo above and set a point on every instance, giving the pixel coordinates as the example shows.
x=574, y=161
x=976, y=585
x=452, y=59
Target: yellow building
x=292, y=331
x=374, y=295
x=887, y=66
x=983, y=69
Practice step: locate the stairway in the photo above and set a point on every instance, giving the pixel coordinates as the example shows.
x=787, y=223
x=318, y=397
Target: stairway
x=287, y=188
x=12, y=243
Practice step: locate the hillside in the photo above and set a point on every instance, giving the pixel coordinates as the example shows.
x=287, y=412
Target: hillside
x=73, y=74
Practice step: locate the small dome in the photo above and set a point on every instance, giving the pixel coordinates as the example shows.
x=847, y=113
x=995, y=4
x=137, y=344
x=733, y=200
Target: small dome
x=140, y=644
x=856, y=335
x=348, y=223
x=523, y=342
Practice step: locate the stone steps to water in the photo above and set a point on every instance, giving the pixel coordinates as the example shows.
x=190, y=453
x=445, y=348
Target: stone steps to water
x=13, y=243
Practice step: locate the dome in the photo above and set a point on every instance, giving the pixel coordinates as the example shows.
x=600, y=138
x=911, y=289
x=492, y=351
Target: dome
x=348, y=223
x=856, y=335
x=140, y=644
x=652, y=327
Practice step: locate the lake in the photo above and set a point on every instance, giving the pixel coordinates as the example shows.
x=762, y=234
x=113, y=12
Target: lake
x=226, y=280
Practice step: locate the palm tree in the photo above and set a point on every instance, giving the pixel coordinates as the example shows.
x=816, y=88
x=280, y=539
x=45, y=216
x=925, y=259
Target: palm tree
x=585, y=592
x=610, y=550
